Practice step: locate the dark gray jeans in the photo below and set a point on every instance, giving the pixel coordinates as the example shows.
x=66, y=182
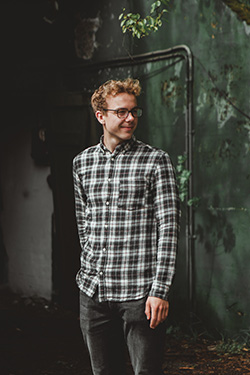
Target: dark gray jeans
x=107, y=326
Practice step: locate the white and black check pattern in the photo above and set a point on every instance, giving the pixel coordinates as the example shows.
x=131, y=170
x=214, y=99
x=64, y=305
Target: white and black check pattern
x=127, y=211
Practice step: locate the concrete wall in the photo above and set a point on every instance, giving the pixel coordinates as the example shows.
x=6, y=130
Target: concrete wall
x=219, y=40
x=26, y=216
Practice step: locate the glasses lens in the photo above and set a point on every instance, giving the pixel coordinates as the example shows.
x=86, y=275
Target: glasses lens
x=122, y=113
x=137, y=112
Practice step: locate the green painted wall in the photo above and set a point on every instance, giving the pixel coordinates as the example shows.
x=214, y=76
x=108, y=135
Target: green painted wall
x=219, y=41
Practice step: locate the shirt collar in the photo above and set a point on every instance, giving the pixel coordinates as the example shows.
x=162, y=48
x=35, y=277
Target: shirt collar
x=123, y=147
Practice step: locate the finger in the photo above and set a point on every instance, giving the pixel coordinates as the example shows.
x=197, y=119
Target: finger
x=148, y=310
x=164, y=314
x=155, y=318
x=159, y=315
x=153, y=322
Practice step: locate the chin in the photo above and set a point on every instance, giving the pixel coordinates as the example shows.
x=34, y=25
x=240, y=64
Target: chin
x=126, y=137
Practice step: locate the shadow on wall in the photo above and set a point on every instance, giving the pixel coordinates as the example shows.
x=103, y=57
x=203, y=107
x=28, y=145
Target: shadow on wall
x=221, y=279
x=221, y=232
x=3, y=254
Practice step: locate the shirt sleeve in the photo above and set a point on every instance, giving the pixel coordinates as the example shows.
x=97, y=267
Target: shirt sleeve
x=167, y=213
x=80, y=206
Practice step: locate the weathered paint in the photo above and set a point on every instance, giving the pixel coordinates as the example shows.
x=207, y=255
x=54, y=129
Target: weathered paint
x=219, y=40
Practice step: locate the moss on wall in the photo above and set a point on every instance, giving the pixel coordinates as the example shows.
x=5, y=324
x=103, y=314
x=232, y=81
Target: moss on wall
x=242, y=10
x=220, y=45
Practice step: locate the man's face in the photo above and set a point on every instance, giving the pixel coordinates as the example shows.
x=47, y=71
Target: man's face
x=117, y=130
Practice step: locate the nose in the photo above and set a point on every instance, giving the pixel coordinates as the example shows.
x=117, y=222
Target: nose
x=129, y=117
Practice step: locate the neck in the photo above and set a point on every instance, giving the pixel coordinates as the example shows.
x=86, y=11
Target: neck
x=111, y=144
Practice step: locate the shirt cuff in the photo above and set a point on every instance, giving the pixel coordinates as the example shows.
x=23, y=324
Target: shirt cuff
x=159, y=291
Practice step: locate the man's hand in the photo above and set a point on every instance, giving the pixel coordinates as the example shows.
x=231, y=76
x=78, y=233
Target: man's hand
x=156, y=311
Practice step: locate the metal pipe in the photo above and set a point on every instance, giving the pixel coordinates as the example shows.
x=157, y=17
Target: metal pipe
x=189, y=165
x=181, y=51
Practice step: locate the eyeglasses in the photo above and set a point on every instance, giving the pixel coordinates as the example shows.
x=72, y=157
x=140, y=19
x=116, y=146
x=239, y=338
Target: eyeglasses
x=124, y=112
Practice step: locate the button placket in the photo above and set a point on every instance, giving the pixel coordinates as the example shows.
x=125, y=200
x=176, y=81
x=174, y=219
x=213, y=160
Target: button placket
x=107, y=216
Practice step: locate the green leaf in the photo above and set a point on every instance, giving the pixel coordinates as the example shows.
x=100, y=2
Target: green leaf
x=153, y=8
x=135, y=16
x=129, y=22
x=182, y=158
x=193, y=202
x=138, y=34
x=140, y=24
x=151, y=21
x=182, y=197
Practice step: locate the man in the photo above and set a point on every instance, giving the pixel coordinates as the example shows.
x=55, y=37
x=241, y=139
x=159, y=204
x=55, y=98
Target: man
x=127, y=211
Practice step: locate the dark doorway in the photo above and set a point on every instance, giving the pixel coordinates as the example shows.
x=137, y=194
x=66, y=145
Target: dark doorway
x=72, y=128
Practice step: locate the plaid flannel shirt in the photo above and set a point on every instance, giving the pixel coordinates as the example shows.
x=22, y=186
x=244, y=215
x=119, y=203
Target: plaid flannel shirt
x=127, y=211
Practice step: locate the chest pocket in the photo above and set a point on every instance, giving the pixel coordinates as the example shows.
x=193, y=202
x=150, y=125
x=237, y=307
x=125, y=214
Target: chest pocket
x=132, y=194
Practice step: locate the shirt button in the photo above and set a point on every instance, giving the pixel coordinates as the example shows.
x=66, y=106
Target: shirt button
x=109, y=179
x=100, y=273
x=106, y=226
x=107, y=203
x=104, y=249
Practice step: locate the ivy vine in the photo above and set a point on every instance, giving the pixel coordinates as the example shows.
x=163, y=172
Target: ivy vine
x=140, y=27
x=183, y=176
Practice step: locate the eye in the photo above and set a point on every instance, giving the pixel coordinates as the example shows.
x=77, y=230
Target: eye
x=122, y=112
x=137, y=112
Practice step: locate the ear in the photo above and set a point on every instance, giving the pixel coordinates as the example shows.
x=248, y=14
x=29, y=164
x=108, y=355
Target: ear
x=100, y=117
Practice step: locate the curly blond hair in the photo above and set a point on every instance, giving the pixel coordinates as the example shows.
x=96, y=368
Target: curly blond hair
x=113, y=88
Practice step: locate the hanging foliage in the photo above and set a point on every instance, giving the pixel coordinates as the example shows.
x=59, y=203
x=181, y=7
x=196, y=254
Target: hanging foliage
x=140, y=27
x=183, y=176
